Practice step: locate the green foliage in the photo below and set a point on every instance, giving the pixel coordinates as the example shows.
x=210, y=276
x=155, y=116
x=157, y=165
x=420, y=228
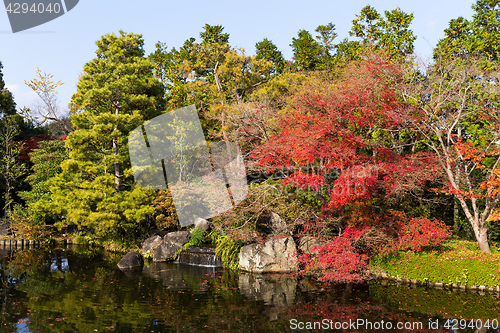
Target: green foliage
x=458, y=262
x=116, y=93
x=306, y=51
x=197, y=238
x=46, y=161
x=11, y=168
x=391, y=33
x=267, y=50
x=478, y=36
x=228, y=249
x=7, y=104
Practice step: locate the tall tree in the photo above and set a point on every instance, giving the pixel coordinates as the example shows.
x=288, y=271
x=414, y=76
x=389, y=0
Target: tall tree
x=11, y=168
x=115, y=94
x=391, y=32
x=306, y=51
x=478, y=36
x=7, y=104
x=210, y=74
x=458, y=102
x=267, y=50
x=326, y=36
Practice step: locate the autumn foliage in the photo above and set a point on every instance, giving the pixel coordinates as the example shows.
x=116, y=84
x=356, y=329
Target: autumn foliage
x=337, y=260
x=353, y=129
x=420, y=233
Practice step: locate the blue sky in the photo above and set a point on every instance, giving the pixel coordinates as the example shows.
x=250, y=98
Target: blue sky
x=64, y=45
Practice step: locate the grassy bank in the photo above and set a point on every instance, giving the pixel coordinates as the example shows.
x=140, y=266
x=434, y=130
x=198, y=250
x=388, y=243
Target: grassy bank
x=455, y=262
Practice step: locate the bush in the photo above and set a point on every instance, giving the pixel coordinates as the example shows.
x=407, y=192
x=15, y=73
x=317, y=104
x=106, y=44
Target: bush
x=24, y=225
x=422, y=233
x=336, y=261
x=165, y=216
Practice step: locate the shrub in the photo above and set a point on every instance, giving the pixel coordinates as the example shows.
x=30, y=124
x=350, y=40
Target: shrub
x=422, y=233
x=336, y=261
x=24, y=225
x=165, y=216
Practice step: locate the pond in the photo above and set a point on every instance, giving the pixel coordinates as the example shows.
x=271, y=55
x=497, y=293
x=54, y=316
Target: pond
x=80, y=289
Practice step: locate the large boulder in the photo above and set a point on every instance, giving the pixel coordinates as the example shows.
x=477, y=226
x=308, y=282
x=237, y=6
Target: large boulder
x=276, y=255
x=179, y=237
x=172, y=242
x=307, y=242
x=151, y=244
x=131, y=260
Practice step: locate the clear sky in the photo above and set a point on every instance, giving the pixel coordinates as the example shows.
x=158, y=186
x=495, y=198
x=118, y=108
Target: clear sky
x=64, y=45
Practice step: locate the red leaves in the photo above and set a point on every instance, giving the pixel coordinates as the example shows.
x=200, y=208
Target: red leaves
x=421, y=233
x=32, y=143
x=347, y=125
x=336, y=261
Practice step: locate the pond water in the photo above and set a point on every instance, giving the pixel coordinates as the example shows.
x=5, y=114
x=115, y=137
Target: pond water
x=80, y=289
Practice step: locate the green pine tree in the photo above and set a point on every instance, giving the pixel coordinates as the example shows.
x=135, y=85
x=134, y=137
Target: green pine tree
x=7, y=104
x=115, y=94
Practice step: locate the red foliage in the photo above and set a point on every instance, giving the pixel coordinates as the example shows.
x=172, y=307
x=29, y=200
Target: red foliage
x=31, y=144
x=343, y=127
x=421, y=233
x=336, y=261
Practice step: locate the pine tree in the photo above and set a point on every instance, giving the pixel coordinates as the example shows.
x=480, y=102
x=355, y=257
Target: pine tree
x=115, y=94
x=7, y=104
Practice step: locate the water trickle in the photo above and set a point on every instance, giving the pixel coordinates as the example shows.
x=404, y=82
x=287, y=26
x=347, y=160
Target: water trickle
x=200, y=256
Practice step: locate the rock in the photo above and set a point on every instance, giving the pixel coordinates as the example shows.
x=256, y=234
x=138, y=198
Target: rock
x=179, y=237
x=165, y=251
x=278, y=225
x=131, y=260
x=276, y=255
x=4, y=230
x=202, y=224
x=273, y=224
x=307, y=242
x=151, y=244
x=171, y=243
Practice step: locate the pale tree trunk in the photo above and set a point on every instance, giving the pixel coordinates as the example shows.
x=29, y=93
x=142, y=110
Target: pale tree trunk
x=115, y=153
x=478, y=225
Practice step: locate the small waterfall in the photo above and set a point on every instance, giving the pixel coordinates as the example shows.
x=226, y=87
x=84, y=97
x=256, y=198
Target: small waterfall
x=199, y=256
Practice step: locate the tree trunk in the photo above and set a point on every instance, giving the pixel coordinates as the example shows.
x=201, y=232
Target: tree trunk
x=479, y=227
x=456, y=225
x=482, y=240
x=115, y=153
x=117, y=165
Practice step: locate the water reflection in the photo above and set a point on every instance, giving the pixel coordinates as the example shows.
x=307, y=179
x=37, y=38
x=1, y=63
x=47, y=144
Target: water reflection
x=80, y=289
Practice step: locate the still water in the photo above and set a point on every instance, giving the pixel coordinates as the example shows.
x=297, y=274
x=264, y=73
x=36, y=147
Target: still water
x=80, y=289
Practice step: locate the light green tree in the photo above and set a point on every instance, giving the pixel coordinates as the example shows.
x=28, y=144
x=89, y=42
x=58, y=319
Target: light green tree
x=11, y=169
x=478, y=37
x=391, y=32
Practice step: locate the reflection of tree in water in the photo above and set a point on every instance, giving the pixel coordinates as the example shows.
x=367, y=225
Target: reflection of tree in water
x=91, y=293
